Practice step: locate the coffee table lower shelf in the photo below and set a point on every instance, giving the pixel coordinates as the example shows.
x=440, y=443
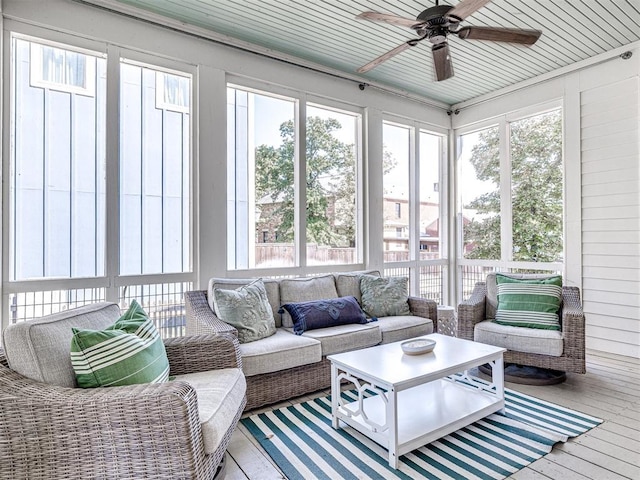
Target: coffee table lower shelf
x=424, y=413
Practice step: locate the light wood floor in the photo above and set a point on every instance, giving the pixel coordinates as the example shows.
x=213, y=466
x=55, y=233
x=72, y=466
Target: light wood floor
x=609, y=390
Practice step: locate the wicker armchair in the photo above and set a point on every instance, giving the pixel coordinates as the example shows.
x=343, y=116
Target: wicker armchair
x=150, y=431
x=474, y=310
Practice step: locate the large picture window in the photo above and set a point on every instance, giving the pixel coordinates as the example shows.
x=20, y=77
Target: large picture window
x=412, y=209
x=154, y=173
x=511, y=196
x=58, y=166
x=67, y=205
x=263, y=197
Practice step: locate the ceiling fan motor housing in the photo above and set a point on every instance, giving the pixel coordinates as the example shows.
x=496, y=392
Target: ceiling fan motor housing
x=434, y=23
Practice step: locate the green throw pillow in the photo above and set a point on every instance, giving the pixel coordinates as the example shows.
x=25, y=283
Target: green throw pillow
x=384, y=296
x=126, y=353
x=247, y=309
x=532, y=303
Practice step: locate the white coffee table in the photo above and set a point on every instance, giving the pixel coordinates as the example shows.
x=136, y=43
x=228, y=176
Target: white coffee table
x=416, y=402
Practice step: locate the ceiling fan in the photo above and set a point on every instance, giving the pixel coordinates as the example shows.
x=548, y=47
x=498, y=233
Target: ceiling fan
x=436, y=23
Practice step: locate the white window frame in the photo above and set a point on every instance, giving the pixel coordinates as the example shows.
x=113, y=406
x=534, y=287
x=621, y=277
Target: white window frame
x=414, y=263
x=161, y=99
x=505, y=263
x=111, y=281
x=301, y=100
x=36, y=71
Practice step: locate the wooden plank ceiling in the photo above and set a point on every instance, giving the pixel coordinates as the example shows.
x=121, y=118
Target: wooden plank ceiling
x=327, y=33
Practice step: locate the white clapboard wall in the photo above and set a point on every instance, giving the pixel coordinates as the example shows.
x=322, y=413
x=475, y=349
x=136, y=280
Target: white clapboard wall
x=610, y=143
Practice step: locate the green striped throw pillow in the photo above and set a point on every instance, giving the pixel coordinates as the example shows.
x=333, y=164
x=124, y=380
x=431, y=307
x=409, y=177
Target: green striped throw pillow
x=532, y=303
x=126, y=353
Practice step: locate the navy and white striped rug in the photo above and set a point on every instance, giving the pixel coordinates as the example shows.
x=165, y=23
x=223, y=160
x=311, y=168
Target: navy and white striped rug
x=303, y=444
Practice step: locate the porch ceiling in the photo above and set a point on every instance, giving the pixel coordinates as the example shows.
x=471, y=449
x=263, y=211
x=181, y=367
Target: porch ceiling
x=327, y=34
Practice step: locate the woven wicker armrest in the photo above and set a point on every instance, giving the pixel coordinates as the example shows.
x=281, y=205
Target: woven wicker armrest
x=472, y=311
x=200, y=318
x=48, y=431
x=423, y=307
x=201, y=353
x=573, y=323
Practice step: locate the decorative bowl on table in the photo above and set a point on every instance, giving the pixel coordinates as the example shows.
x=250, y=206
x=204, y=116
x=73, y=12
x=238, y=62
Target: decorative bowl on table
x=418, y=346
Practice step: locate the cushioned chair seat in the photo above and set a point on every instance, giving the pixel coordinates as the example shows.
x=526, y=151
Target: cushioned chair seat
x=280, y=351
x=520, y=339
x=342, y=338
x=220, y=395
x=396, y=328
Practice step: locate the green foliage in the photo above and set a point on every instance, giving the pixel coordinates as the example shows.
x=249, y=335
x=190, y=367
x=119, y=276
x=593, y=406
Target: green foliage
x=330, y=180
x=536, y=186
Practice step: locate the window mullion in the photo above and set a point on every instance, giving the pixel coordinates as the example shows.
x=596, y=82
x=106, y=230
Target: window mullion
x=112, y=257
x=300, y=179
x=414, y=209
x=506, y=237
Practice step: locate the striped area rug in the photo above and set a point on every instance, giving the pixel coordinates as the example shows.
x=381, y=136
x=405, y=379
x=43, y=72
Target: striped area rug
x=303, y=444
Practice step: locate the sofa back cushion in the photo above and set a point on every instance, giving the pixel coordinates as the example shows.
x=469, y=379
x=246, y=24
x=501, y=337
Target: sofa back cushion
x=348, y=283
x=385, y=296
x=40, y=349
x=271, y=286
x=247, y=309
x=492, y=288
x=294, y=290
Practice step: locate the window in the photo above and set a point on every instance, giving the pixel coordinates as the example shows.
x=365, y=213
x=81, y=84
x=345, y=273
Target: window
x=511, y=203
x=58, y=166
x=395, y=181
x=430, y=214
x=536, y=188
x=260, y=178
x=479, y=161
x=413, y=239
x=154, y=176
x=173, y=92
x=265, y=236
x=262, y=192
x=64, y=208
x=61, y=69
x=332, y=200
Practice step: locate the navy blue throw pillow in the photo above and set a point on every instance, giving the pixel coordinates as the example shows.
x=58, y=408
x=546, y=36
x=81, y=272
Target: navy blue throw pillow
x=325, y=313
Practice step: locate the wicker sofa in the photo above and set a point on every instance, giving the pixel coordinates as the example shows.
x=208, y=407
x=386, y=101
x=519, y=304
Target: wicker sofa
x=178, y=429
x=286, y=365
x=548, y=349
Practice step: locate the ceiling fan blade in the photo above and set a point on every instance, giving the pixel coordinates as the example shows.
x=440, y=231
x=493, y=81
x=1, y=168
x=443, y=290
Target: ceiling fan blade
x=384, y=57
x=442, y=61
x=465, y=8
x=496, y=34
x=388, y=18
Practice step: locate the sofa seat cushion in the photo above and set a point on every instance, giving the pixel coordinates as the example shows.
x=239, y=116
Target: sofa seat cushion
x=39, y=349
x=280, y=351
x=220, y=394
x=519, y=339
x=294, y=290
x=343, y=338
x=403, y=327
